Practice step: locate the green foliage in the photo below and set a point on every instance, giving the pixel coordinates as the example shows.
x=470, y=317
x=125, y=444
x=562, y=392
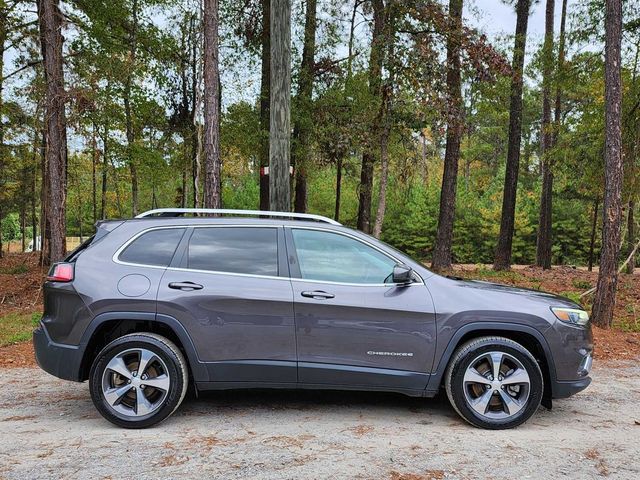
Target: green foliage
x=574, y=297
x=162, y=81
x=242, y=193
x=410, y=225
x=15, y=270
x=17, y=327
x=581, y=284
x=10, y=227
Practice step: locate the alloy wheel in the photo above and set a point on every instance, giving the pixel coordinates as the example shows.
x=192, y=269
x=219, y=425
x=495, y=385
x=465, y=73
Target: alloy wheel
x=135, y=382
x=496, y=385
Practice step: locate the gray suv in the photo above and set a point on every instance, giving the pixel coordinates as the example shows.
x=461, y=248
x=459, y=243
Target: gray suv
x=151, y=305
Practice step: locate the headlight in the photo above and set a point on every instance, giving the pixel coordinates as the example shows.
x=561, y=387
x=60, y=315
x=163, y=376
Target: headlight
x=571, y=315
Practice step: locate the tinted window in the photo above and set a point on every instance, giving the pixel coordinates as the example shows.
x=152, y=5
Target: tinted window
x=337, y=258
x=155, y=247
x=236, y=250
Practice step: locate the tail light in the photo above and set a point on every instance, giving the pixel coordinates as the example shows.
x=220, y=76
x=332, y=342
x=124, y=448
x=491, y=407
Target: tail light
x=60, y=272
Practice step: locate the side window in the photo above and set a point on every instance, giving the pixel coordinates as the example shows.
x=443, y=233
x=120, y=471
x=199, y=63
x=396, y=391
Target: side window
x=155, y=247
x=332, y=257
x=248, y=250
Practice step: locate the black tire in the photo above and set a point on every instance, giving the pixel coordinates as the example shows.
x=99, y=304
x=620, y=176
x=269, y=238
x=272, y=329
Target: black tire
x=169, y=358
x=472, y=352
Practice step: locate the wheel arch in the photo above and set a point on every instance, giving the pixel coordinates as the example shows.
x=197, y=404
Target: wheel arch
x=108, y=326
x=527, y=336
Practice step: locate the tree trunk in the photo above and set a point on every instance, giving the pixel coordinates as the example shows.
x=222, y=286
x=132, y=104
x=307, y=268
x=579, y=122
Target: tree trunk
x=543, y=244
x=303, y=127
x=34, y=186
x=631, y=236
x=129, y=127
x=154, y=201
x=212, y=193
x=336, y=214
x=366, y=187
x=352, y=31
x=604, y=301
x=130, y=160
x=196, y=156
x=43, y=192
x=116, y=187
x=105, y=167
x=50, y=23
x=185, y=172
x=560, y=73
x=265, y=88
x=23, y=226
x=444, y=236
x=384, y=161
x=376, y=59
x=196, y=145
x=80, y=219
x=425, y=165
x=3, y=38
x=503, y=251
x=385, y=118
x=94, y=178
x=470, y=130
x=280, y=106
x=594, y=228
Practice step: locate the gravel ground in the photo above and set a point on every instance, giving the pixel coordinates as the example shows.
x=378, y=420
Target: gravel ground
x=49, y=429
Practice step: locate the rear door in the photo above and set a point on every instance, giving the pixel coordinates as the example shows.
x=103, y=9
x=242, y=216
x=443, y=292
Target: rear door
x=354, y=328
x=231, y=290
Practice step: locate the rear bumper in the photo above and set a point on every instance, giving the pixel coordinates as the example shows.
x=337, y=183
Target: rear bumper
x=60, y=360
x=566, y=389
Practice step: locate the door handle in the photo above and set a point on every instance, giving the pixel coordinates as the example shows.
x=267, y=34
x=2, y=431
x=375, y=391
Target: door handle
x=185, y=286
x=317, y=294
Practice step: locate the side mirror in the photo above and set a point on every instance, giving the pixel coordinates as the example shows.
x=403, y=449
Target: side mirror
x=402, y=274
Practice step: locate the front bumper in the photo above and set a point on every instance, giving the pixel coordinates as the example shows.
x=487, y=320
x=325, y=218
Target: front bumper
x=566, y=389
x=60, y=360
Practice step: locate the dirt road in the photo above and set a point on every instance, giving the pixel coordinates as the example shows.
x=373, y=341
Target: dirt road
x=49, y=429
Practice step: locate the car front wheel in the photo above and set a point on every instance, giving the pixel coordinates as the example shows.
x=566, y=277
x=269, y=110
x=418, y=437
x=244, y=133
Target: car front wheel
x=494, y=383
x=138, y=380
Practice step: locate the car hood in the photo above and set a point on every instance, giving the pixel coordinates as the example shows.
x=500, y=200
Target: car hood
x=536, y=295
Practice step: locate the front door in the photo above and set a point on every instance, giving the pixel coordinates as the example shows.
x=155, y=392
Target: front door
x=354, y=328
x=230, y=292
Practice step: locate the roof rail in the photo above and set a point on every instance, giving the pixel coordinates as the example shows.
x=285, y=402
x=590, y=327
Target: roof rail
x=174, y=212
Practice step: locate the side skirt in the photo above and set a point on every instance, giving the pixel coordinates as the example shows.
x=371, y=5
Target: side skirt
x=209, y=386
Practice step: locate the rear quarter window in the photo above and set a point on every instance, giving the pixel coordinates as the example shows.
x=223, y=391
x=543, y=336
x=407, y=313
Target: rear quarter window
x=155, y=247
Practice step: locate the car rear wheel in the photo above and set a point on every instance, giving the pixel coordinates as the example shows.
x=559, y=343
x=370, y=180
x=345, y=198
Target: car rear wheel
x=138, y=380
x=494, y=383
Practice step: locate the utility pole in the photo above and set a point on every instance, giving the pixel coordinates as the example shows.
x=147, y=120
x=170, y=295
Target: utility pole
x=280, y=106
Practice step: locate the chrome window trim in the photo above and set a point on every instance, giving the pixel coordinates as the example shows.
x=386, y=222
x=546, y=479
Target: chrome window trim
x=232, y=274
x=327, y=282
x=251, y=275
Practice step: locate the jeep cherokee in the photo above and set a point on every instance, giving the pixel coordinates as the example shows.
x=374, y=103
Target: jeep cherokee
x=151, y=305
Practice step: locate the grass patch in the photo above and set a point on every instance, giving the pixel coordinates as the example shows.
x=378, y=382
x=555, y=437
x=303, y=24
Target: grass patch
x=488, y=273
x=574, y=297
x=15, y=270
x=17, y=327
x=581, y=284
